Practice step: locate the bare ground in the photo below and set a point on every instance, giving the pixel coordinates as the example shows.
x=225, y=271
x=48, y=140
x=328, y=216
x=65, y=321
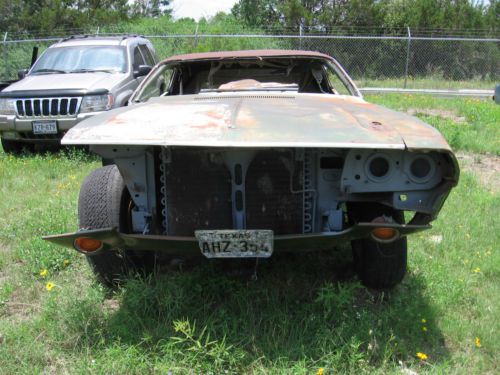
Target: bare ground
x=485, y=166
x=444, y=113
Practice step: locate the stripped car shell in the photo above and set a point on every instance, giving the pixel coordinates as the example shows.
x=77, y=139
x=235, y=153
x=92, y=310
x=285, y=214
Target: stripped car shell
x=262, y=141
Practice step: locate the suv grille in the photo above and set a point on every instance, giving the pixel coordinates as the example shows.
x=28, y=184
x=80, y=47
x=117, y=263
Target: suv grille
x=48, y=107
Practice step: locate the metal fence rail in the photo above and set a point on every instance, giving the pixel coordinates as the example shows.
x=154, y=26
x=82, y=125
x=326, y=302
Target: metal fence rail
x=392, y=61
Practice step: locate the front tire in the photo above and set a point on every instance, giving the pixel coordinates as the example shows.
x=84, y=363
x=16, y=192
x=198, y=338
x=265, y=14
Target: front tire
x=11, y=146
x=104, y=202
x=379, y=265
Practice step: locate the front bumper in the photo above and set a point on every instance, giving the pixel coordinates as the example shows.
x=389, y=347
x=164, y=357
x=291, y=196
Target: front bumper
x=113, y=239
x=21, y=129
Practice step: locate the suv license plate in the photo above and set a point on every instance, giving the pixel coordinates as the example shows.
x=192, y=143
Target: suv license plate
x=44, y=127
x=235, y=243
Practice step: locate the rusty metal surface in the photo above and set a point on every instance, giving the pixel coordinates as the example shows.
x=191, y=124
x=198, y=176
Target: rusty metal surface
x=245, y=54
x=258, y=120
x=189, y=245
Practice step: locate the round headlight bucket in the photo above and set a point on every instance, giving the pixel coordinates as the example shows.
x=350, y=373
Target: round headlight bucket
x=379, y=167
x=422, y=168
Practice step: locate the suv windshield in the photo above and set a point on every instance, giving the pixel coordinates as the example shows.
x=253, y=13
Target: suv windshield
x=82, y=59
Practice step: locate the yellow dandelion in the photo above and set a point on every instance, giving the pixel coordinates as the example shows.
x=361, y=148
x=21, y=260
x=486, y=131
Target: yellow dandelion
x=424, y=320
x=320, y=371
x=424, y=329
x=43, y=272
x=476, y=270
x=422, y=356
x=49, y=286
x=478, y=342
x=66, y=262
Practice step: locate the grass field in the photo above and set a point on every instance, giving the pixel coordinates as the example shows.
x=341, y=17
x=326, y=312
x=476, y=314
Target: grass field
x=304, y=314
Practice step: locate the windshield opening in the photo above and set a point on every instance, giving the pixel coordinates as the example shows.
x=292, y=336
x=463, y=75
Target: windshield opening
x=82, y=59
x=302, y=75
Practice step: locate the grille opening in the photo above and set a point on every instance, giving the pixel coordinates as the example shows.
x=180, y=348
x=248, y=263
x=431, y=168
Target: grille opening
x=36, y=108
x=20, y=108
x=72, y=106
x=53, y=107
x=64, y=107
x=269, y=202
x=331, y=162
x=45, y=107
x=28, y=109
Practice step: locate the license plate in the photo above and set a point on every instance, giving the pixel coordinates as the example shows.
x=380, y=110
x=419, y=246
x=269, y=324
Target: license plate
x=44, y=127
x=235, y=243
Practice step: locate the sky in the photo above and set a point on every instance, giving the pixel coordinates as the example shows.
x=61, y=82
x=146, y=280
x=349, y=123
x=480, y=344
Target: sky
x=200, y=8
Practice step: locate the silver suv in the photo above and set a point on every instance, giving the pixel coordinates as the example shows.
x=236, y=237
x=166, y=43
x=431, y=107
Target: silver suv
x=72, y=80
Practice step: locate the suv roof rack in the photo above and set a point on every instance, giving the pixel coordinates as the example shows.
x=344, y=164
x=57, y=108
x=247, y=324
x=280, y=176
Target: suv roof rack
x=84, y=36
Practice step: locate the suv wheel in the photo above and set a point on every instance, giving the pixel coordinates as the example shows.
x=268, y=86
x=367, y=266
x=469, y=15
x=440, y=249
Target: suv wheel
x=13, y=147
x=105, y=202
x=379, y=265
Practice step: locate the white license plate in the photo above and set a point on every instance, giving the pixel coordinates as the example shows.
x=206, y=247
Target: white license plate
x=44, y=127
x=235, y=243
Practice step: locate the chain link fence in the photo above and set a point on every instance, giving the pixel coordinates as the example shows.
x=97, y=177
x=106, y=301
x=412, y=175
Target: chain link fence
x=402, y=61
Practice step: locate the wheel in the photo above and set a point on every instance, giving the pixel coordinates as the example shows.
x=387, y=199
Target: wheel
x=105, y=202
x=379, y=265
x=12, y=147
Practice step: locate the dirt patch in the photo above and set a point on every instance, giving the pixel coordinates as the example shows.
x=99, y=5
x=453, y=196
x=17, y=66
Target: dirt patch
x=111, y=306
x=15, y=308
x=444, y=113
x=486, y=167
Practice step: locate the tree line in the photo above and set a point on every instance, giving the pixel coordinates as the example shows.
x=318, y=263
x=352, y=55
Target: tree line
x=44, y=16
x=324, y=15
x=289, y=15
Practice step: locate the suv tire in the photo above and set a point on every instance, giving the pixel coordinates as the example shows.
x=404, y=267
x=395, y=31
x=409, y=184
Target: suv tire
x=12, y=147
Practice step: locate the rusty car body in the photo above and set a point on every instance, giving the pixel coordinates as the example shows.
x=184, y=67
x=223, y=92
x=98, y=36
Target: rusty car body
x=246, y=153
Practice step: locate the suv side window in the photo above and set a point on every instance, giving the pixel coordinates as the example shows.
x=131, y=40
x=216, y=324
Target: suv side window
x=147, y=55
x=138, y=59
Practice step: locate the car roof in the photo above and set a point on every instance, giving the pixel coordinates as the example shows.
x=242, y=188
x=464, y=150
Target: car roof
x=246, y=54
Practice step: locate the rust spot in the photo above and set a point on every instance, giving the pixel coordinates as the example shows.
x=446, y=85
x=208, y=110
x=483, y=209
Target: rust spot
x=116, y=120
x=214, y=114
x=376, y=125
x=208, y=125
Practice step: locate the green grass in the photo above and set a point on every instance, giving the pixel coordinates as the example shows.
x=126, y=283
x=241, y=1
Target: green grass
x=430, y=82
x=468, y=124
x=303, y=312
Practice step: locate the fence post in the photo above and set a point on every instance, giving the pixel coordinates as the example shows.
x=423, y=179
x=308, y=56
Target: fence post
x=196, y=35
x=6, y=71
x=407, y=56
x=301, y=33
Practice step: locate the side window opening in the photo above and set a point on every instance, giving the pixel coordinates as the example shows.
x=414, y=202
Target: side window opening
x=159, y=84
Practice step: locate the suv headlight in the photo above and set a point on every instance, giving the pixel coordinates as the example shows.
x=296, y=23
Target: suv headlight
x=96, y=103
x=7, y=106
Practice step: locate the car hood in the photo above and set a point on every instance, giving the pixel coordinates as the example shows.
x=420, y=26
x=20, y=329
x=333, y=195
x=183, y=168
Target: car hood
x=257, y=120
x=69, y=81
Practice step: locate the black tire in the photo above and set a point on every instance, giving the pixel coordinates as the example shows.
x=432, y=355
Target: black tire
x=104, y=202
x=379, y=265
x=12, y=147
